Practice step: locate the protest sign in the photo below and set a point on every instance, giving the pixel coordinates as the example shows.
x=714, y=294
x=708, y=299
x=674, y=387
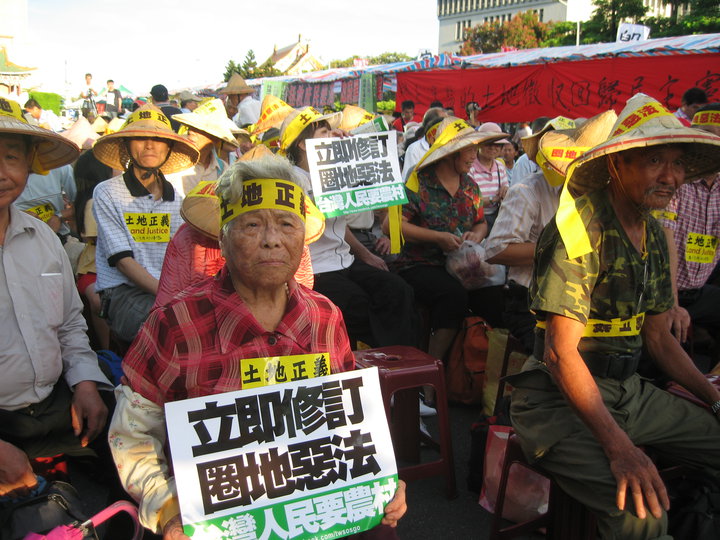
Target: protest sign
x=355, y=174
x=307, y=459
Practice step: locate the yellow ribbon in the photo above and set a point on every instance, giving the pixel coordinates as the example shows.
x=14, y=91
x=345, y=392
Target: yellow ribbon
x=636, y=118
x=144, y=114
x=706, y=118
x=613, y=328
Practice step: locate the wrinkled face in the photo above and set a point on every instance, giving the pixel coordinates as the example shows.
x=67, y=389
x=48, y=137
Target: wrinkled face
x=463, y=159
x=14, y=168
x=148, y=152
x=491, y=150
x=508, y=152
x=650, y=176
x=263, y=247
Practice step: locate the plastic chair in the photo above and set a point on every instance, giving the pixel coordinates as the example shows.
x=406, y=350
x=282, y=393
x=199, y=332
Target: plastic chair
x=402, y=371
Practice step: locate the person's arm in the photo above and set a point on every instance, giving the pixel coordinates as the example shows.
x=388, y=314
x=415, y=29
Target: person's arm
x=515, y=255
x=361, y=252
x=678, y=319
x=137, y=437
x=444, y=240
x=508, y=242
x=137, y=273
x=630, y=466
x=673, y=360
x=477, y=233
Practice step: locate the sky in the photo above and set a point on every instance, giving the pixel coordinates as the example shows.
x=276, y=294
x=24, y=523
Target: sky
x=187, y=43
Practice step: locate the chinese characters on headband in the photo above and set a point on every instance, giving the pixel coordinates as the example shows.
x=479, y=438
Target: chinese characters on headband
x=302, y=459
x=356, y=173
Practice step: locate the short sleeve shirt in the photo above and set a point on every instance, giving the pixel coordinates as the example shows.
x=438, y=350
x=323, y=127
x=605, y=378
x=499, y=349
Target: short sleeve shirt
x=434, y=208
x=613, y=281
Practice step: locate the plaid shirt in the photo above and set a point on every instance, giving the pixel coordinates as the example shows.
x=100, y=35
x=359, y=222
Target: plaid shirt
x=194, y=346
x=696, y=209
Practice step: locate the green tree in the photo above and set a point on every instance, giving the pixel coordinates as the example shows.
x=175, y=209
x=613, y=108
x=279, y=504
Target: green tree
x=383, y=58
x=608, y=14
x=483, y=38
x=249, y=66
x=522, y=31
x=230, y=68
x=560, y=34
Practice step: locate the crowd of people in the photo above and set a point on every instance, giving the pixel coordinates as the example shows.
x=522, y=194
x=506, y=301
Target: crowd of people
x=186, y=239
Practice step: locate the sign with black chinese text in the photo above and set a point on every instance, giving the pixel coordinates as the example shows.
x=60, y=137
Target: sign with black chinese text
x=354, y=174
x=307, y=459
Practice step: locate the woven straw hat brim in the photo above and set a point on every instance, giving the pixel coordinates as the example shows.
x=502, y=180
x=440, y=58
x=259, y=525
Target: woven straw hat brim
x=702, y=155
x=111, y=150
x=197, y=121
x=465, y=138
x=52, y=149
x=236, y=85
x=202, y=214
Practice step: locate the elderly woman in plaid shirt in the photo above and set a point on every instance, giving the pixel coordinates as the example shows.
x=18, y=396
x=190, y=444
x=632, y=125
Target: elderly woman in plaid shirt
x=252, y=308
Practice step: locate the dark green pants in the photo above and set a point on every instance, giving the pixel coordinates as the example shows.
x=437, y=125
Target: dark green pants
x=552, y=434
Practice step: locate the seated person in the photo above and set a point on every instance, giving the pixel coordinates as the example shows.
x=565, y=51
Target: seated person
x=49, y=399
x=528, y=206
x=255, y=293
x=444, y=208
x=692, y=224
x=194, y=252
x=378, y=306
x=602, y=290
x=137, y=214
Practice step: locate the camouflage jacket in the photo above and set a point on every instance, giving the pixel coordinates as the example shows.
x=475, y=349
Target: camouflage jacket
x=608, y=289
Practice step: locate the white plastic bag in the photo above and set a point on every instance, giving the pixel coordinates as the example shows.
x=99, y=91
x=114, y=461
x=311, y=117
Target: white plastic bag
x=467, y=265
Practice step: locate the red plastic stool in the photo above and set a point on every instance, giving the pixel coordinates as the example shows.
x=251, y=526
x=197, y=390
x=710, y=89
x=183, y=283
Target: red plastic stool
x=565, y=519
x=403, y=370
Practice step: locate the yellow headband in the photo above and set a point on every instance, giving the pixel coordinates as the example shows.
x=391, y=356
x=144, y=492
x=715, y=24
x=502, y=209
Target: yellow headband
x=706, y=118
x=546, y=156
x=265, y=194
x=295, y=127
x=140, y=114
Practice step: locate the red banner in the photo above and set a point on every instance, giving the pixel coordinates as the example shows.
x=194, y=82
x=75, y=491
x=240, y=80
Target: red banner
x=575, y=89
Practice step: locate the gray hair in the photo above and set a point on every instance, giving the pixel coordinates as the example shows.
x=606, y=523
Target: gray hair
x=230, y=184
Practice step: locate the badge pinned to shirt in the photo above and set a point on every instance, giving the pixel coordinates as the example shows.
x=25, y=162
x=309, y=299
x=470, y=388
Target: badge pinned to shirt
x=148, y=227
x=43, y=211
x=700, y=248
x=257, y=372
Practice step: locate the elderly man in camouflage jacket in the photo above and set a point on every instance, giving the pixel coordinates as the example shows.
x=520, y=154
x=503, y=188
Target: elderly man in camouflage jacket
x=601, y=289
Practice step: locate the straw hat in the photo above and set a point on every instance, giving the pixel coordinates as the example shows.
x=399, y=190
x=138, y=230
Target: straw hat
x=645, y=122
x=273, y=111
x=354, y=116
x=52, y=150
x=81, y=133
x=236, y=85
x=100, y=125
x=459, y=135
x=530, y=143
x=299, y=119
x=147, y=121
x=188, y=96
x=558, y=148
x=114, y=125
x=201, y=206
x=493, y=133
x=210, y=118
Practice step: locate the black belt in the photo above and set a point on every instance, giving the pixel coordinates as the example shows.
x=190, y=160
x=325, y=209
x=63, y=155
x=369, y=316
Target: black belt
x=618, y=366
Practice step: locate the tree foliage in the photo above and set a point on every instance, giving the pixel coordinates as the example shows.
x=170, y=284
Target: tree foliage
x=522, y=31
x=608, y=15
x=249, y=68
x=384, y=58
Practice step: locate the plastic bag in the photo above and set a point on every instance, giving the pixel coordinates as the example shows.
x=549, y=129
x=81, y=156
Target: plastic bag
x=467, y=265
x=527, y=493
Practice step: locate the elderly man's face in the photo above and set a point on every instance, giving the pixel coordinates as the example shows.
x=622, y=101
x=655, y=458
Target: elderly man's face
x=650, y=176
x=148, y=152
x=14, y=168
x=262, y=248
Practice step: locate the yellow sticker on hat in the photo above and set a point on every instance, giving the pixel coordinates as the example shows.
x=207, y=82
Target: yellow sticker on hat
x=148, y=227
x=257, y=372
x=637, y=118
x=700, y=248
x=141, y=114
x=306, y=117
x=706, y=118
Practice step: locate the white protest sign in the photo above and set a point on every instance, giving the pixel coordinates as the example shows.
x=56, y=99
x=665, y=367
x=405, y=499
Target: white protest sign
x=356, y=173
x=632, y=32
x=307, y=459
